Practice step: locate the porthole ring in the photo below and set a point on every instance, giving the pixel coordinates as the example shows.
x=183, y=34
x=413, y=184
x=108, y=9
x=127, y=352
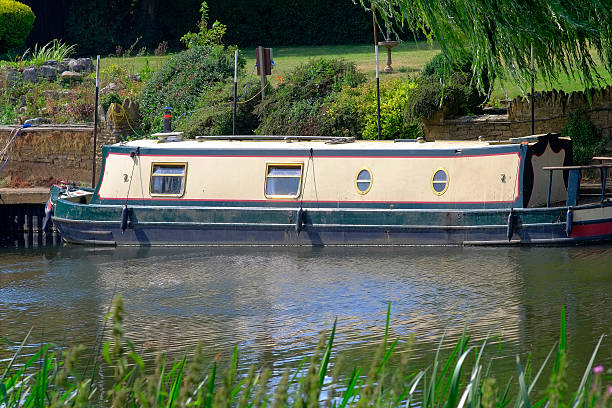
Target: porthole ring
x=440, y=181
x=360, y=180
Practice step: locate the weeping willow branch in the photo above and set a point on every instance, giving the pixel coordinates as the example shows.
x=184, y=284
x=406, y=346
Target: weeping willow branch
x=498, y=34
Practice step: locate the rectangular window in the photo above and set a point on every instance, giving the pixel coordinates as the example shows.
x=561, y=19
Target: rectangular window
x=168, y=179
x=283, y=180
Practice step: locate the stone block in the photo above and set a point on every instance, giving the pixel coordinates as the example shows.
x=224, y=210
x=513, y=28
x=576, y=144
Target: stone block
x=71, y=76
x=48, y=72
x=30, y=74
x=80, y=65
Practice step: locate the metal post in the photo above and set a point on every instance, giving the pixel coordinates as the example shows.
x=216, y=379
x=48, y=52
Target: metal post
x=550, y=180
x=262, y=71
x=377, y=74
x=95, y=132
x=604, y=176
x=532, y=94
x=235, y=91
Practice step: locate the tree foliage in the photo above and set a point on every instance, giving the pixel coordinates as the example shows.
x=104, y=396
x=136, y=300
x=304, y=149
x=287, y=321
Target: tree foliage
x=499, y=33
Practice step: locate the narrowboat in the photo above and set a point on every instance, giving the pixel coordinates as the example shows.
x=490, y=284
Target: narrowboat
x=274, y=190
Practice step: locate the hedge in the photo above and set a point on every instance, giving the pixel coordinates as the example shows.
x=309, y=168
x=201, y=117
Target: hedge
x=98, y=26
x=16, y=20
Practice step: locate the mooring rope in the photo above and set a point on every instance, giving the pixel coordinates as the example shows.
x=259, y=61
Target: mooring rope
x=6, y=153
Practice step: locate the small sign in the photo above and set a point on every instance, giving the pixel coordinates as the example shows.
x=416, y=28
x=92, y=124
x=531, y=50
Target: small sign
x=267, y=61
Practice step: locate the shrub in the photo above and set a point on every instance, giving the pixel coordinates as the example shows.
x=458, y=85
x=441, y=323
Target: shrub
x=297, y=106
x=16, y=20
x=206, y=35
x=214, y=112
x=53, y=50
x=353, y=112
x=108, y=98
x=446, y=86
x=182, y=79
x=586, y=138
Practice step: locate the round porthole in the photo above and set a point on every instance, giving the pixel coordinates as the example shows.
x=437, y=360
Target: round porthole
x=439, y=181
x=363, y=181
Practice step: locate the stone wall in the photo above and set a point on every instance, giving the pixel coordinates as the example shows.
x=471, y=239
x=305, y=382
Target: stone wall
x=552, y=110
x=45, y=154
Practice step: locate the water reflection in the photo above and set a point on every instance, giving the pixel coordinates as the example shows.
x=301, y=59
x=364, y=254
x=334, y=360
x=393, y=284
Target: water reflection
x=273, y=302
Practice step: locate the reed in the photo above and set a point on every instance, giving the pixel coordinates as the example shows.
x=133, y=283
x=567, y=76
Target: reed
x=461, y=379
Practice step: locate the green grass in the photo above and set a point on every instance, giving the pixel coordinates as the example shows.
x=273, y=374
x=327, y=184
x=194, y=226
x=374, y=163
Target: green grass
x=133, y=65
x=407, y=58
x=564, y=82
x=464, y=377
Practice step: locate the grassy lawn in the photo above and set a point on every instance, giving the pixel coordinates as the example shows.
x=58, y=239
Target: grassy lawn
x=409, y=58
x=133, y=65
x=564, y=82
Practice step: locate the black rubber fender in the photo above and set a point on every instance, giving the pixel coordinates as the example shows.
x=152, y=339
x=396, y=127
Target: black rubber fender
x=125, y=214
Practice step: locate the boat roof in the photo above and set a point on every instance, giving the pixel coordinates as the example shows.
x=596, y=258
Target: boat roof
x=320, y=144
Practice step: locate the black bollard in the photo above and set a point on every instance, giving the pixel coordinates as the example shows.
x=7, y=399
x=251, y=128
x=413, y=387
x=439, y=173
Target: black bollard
x=167, y=119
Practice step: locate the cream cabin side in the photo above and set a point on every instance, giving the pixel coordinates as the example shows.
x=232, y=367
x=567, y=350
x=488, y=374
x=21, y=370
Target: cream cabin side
x=327, y=176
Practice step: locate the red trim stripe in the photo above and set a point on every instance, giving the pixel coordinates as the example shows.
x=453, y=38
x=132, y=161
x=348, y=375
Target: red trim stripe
x=592, y=230
x=275, y=200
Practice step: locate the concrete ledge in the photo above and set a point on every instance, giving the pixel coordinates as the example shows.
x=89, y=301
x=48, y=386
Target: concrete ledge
x=46, y=128
x=31, y=195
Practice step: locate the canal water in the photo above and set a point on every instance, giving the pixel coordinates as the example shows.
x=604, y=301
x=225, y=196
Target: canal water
x=274, y=302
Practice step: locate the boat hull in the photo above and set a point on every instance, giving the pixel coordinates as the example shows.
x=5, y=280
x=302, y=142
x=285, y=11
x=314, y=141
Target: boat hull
x=169, y=225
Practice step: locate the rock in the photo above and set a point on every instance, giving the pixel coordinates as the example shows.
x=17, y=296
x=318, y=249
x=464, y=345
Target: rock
x=48, y=72
x=30, y=74
x=71, y=76
x=80, y=65
x=123, y=121
x=36, y=121
x=88, y=64
x=11, y=76
x=112, y=87
x=52, y=63
x=61, y=67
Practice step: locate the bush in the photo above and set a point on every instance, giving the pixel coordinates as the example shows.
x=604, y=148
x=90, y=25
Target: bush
x=108, y=98
x=214, y=112
x=586, y=138
x=16, y=20
x=446, y=86
x=297, y=106
x=182, y=80
x=354, y=112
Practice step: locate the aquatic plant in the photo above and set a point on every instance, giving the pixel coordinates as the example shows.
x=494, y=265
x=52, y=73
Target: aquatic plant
x=461, y=379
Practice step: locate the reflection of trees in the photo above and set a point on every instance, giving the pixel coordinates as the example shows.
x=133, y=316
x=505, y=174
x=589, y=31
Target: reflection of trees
x=577, y=278
x=42, y=291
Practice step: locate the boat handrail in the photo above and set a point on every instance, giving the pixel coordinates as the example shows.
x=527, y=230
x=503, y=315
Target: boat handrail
x=333, y=139
x=573, y=182
x=602, y=159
